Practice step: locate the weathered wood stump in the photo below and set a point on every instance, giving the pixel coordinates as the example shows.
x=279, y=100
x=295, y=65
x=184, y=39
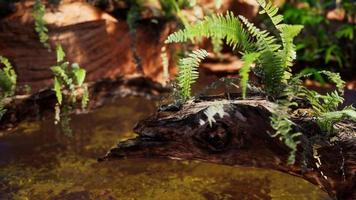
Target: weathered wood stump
x=243, y=138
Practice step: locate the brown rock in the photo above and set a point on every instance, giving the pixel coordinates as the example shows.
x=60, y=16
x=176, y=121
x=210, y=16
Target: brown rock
x=95, y=40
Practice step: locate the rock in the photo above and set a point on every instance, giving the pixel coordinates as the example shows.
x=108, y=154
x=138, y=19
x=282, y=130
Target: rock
x=97, y=41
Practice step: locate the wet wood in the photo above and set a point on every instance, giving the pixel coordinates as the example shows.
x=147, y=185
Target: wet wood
x=243, y=138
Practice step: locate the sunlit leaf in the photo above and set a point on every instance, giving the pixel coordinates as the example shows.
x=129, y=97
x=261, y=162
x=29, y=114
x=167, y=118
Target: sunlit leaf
x=60, y=53
x=57, y=90
x=79, y=74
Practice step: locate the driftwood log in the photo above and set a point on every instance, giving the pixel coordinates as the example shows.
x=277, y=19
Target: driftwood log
x=243, y=138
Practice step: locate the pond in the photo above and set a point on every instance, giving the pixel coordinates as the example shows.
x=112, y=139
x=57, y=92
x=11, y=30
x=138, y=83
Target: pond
x=38, y=161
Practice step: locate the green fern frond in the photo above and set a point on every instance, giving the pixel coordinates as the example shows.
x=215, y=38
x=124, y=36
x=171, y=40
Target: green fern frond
x=264, y=39
x=273, y=76
x=8, y=77
x=327, y=120
x=323, y=103
x=271, y=11
x=248, y=60
x=283, y=127
x=288, y=53
x=60, y=53
x=39, y=10
x=335, y=78
x=219, y=26
x=188, y=71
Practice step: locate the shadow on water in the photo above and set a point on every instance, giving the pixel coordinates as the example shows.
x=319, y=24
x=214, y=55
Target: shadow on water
x=38, y=162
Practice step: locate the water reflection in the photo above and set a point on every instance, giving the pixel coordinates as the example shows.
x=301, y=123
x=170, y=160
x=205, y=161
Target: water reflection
x=38, y=162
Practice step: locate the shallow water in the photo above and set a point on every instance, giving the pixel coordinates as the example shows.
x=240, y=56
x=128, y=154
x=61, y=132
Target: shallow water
x=38, y=162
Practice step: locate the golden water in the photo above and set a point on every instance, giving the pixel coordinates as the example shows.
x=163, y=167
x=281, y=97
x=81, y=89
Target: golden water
x=39, y=162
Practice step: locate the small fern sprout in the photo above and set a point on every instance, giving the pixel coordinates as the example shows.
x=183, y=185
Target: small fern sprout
x=188, y=71
x=68, y=78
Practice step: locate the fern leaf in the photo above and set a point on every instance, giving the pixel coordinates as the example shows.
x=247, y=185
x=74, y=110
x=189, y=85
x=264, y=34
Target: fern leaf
x=335, y=78
x=78, y=74
x=60, y=53
x=248, y=59
x=271, y=11
x=327, y=120
x=273, y=72
x=38, y=14
x=289, y=54
x=264, y=39
x=8, y=77
x=188, y=71
x=283, y=127
x=58, y=90
x=219, y=26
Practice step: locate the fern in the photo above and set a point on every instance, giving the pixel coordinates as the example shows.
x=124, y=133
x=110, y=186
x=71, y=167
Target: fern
x=68, y=77
x=273, y=56
x=271, y=11
x=40, y=27
x=265, y=41
x=8, y=78
x=288, y=53
x=335, y=78
x=283, y=127
x=248, y=60
x=327, y=120
x=188, y=71
x=324, y=103
x=219, y=26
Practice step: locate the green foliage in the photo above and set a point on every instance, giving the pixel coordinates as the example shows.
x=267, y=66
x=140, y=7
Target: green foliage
x=188, y=71
x=68, y=79
x=275, y=59
x=8, y=80
x=345, y=31
x=273, y=56
x=284, y=130
x=328, y=119
x=271, y=11
x=322, y=38
x=219, y=26
x=40, y=25
x=248, y=59
x=324, y=108
x=323, y=103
